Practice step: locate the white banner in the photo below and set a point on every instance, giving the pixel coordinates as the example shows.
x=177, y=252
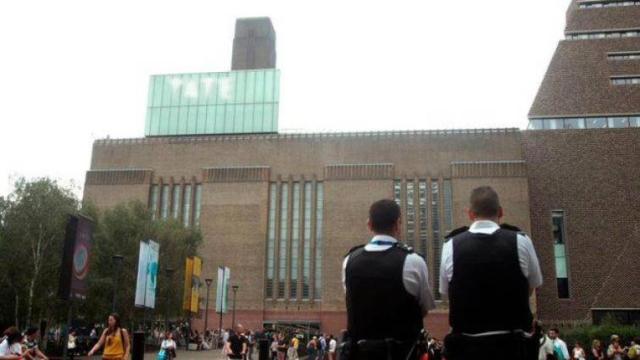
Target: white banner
x=147, y=274
x=224, y=274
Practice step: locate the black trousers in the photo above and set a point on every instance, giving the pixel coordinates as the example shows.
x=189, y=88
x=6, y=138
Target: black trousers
x=496, y=347
x=382, y=352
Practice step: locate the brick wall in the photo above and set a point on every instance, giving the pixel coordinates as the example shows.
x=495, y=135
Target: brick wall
x=594, y=176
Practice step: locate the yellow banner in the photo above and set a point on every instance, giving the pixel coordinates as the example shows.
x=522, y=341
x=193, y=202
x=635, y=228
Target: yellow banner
x=195, y=284
x=188, y=274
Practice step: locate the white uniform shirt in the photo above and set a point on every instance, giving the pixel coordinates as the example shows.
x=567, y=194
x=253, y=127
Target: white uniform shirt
x=6, y=350
x=415, y=274
x=526, y=255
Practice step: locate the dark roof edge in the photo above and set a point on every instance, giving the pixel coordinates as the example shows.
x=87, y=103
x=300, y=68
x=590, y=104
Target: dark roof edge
x=291, y=136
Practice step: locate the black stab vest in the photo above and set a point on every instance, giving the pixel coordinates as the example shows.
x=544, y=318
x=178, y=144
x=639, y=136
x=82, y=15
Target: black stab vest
x=488, y=291
x=378, y=305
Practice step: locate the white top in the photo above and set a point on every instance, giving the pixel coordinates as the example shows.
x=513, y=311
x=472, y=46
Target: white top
x=168, y=344
x=332, y=345
x=563, y=347
x=546, y=348
x=526, y=254
x=415, y=274
x=5, y=349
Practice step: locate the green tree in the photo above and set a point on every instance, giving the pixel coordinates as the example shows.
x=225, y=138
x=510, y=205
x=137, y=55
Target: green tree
x=118, y=231
x=33, y=220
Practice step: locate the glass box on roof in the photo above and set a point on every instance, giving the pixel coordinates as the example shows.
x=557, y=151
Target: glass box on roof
x=236, y=102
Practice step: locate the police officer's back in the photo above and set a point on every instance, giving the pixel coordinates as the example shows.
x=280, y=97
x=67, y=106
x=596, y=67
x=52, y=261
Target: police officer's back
x=387, y=290
x=488, y=271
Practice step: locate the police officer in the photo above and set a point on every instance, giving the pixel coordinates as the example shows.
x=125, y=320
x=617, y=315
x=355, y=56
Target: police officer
x=488, y=271
x=387, y=290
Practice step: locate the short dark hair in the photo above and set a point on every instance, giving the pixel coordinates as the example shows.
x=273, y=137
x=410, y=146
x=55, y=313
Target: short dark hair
x=485, y=202
x=384, y=215
x=13, y=335
x=555, y=330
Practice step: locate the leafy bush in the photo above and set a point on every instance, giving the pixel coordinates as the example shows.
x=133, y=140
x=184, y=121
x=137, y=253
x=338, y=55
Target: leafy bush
x=586, y=334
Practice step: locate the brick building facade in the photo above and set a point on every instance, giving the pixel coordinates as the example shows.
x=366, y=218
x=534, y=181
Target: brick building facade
x=281, y=210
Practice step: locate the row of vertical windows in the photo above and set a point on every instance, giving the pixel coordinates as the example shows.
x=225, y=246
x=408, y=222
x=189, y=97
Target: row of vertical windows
x=422, y=217
x=585, y=123
x=317, y=293
x=606, y=4
x=560, y=254
x=306, y=250
x=292, y=218
x=175, y=200
x=435, y=227
x=603, y=35
x=417, y=206
x=271, y=239
x=410, y=237
x=284, y=234
x=295, y=242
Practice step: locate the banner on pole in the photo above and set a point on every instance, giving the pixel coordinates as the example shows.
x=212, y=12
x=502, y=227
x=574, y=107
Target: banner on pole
x=188, y=273
x=222, y=290
x=147, y=274
x=75, y=258
x=192, y=284
x=196, y=284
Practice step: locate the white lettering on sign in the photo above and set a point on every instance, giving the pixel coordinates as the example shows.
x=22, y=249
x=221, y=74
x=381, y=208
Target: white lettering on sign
x=191, y=89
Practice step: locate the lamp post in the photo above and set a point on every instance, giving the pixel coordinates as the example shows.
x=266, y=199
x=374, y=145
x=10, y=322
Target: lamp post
x=206, y=309
x=233, y=314
x=117, y=263
x=168, y=272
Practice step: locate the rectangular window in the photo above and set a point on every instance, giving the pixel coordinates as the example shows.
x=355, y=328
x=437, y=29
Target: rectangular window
x=176, y=201
x=624, y=56
x=164, y=202
x=435, y=228
x=271, y=239
x=634, y=121
x=154, y=201
x=411, y=216
x=630, y=317
x=422, y=210
x=536, y=124
x=295, y=242
x=618, y=122
x=607, y=4
x=560, y=254
x=574, y=123
x=596, y=123
x=627, y=80
x=397, y=192
x=317, y=293
x=186, y=208
x=448, y=206
x=198, y=209
x=284, y=233
x=553, y=124
x=306, y=251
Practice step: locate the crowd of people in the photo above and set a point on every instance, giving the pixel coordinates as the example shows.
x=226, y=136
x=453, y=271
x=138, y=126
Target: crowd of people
x=552, y=347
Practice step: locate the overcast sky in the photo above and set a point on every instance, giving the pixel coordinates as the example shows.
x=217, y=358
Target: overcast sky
x=75, y=71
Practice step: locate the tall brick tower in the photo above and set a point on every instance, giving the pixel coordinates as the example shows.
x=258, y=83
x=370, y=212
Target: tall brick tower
x=254, y=45
x=593, y=80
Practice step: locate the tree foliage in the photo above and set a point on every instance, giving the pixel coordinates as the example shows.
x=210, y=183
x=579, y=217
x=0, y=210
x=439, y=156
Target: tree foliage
x=118, y=232
x=33, y=220
x=32, y=229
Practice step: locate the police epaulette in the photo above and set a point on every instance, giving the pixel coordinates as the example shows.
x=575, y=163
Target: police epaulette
x=457, y=231
x=405, y=247
x=354, y=249
x=510, y=227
